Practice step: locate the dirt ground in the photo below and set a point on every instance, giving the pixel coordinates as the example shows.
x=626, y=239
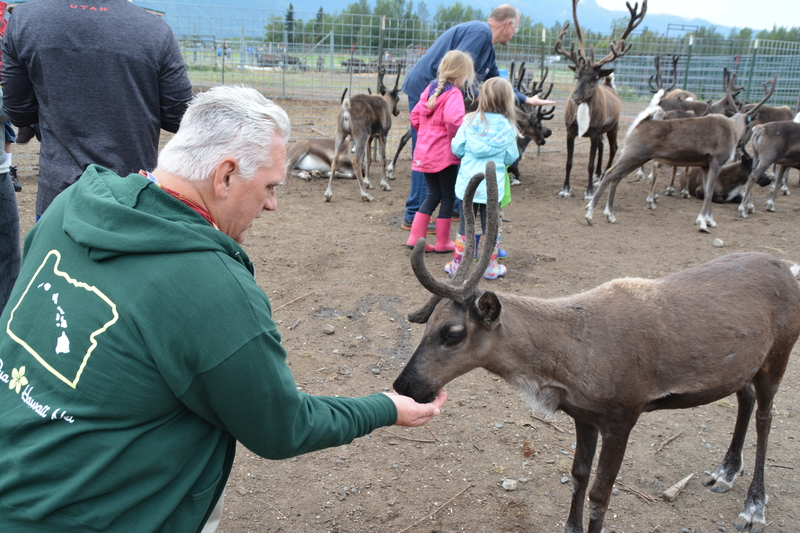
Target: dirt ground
x=343, y=264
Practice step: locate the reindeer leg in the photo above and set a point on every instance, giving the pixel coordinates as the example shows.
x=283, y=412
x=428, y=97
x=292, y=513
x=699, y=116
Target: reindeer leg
x=382, y=149
x=670, y=191
x=746, y=206
x=780, y=183
x=566, y=190
x=612, y=177
x=357, y=158
x=592, y=154
x=612, y=148
x=598, y=173
x=335, y=163
x=704, y=219
x=752, y=517
x=368, y=153
x=721, y=480
x=653, y=196
x=612, y=451
x=586, y=436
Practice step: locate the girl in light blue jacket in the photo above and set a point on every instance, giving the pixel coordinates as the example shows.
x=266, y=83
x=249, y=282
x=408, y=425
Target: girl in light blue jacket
x=489, y=134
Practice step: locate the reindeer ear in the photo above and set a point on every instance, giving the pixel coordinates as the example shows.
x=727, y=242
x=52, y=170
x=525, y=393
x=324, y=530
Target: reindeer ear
x=488, y=306
x=603, y=72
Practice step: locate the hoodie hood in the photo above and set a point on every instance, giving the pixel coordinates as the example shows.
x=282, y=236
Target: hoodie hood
x=486, y=138
x=113, y=216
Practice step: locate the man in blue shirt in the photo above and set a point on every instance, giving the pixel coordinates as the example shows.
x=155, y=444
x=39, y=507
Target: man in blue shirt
x=478, y=39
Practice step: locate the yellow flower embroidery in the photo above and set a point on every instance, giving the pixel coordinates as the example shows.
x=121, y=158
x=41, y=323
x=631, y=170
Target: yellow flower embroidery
x=18, y=379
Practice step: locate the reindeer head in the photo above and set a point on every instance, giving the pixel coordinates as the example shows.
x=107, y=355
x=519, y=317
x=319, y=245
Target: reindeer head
x=531, y=122
x=729, y=104
x=393, y=96
x=588, y=71
x=457, y=315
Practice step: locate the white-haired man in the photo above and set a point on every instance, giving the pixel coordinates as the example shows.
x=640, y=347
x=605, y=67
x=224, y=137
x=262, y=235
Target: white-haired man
x=123, y=413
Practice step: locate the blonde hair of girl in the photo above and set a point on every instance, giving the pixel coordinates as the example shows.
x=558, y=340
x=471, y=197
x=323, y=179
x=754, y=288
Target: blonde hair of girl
x=457, y=68
x=497, y=96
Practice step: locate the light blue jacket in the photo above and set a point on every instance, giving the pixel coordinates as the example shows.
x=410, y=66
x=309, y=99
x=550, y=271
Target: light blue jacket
x=478, y=142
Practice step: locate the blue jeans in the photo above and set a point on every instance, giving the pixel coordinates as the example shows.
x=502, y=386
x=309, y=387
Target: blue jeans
x=418, y=190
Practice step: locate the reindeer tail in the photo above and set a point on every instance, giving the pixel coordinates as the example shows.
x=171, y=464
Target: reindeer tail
x=346, y=114
x=794, y=267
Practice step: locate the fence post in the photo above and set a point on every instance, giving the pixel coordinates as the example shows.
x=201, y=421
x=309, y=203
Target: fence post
x=285, y=62
x=541, y=75
x=380, y=54
x=688, y=63
x=330, y=40
x=752, y=67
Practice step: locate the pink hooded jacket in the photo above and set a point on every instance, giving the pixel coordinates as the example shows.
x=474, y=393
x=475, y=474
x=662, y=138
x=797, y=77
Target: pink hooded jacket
x=435, y=129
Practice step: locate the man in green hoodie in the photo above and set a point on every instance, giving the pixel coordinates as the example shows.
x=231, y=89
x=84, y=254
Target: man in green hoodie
x=137, y=348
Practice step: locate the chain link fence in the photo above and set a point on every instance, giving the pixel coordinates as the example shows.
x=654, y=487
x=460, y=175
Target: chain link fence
x=306, y=63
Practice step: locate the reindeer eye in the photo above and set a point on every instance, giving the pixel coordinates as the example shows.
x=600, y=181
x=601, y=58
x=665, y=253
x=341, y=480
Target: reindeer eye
x=452, y=334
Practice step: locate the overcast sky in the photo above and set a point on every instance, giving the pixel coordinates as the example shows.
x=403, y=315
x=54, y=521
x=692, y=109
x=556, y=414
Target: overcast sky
x=758, y=14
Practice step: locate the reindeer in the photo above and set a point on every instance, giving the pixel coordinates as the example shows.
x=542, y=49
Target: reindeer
x=365, y=117
x=313, y=157
x=728, y=105
x=774, y=142
x=671, y=91
x=705, y=142
x=593, y=108
x=531, y=121
x=730, y=184
x=607, y=355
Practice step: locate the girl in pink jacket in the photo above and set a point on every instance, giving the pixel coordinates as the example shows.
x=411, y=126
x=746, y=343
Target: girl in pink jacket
x=436, y=118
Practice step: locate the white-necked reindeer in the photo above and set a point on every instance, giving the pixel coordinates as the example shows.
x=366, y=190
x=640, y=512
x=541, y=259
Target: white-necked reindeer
x=593, y=106
x=607, y=355
x=364, y=117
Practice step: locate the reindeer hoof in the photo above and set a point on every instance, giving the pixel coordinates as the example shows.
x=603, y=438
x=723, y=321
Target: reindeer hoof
x=685, y=194
x=588, y=195
x=385, y=186
x=564, y=193
x=701, y=225
x=670, y=191
x=367, y=197
x=770, y=206
x=328, y=196
x=785, y=190
x=751, y=208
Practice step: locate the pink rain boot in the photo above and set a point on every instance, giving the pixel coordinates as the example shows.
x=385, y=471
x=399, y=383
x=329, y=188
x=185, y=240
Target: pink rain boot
x=443, y=242
x=419, y=228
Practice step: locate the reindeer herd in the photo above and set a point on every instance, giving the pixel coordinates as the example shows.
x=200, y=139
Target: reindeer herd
x=629, y=346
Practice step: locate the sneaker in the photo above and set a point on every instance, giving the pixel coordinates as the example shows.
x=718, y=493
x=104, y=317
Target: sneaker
x=12, y=171
x=514, y=182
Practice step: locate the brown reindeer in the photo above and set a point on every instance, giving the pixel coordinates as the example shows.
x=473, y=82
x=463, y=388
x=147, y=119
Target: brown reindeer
x=730, y=184
x=706, y=142
x=364, y=117
x=608, y=355
x=593, y=107
x=774, y=142
x=313, y=157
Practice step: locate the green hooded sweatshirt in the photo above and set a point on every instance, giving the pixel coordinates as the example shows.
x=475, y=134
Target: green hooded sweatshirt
x=135, y=349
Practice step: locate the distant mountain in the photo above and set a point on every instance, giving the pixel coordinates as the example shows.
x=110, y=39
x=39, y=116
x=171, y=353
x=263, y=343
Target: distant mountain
x=232, y=17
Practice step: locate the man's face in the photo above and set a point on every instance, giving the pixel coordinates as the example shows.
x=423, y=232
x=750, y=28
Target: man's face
x=248, y=199
x=509, y=29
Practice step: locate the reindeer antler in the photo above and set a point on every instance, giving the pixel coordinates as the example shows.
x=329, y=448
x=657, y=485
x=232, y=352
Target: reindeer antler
x=462, y=286
x=397, y=80
x=768, y=94
x=618, y=48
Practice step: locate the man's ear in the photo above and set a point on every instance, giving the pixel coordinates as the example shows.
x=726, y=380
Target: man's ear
x=224, y=175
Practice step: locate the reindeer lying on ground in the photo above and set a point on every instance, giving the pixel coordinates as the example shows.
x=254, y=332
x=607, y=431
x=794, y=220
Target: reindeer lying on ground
x=774, y=142
x=593, y=107
x=607, y=355
x=730, y=184
x=313, y=157
x=364, y=117
x=705, y=142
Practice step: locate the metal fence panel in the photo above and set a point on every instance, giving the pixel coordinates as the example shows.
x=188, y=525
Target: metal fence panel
x=307, y=64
